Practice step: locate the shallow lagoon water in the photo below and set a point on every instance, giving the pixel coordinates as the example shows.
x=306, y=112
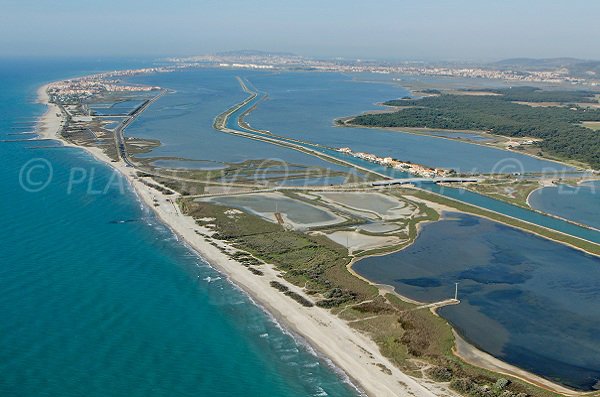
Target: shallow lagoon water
x=116, y=108
x=304, y=106
x=378, y=203
x=98, y=298
x=264, y=205
x=514, y=211
x=580, y=203
x=524, y=299
x=182, y=120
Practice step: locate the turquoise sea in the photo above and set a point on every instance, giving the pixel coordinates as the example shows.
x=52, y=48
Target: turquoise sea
x=99, y=299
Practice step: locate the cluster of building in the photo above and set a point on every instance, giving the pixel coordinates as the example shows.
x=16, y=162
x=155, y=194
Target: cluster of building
x=127, y=73
x=79, y=89
x=557, y=76
x=257, y=60
x=245, y=66
x=290, y=61
x=415, y=169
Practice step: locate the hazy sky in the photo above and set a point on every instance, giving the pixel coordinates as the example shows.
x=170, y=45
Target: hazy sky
x=413, y=29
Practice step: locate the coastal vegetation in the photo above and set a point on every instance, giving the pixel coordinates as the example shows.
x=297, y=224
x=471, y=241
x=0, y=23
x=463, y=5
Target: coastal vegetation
x=413, y=337
x=558, y=128
x=312, y=261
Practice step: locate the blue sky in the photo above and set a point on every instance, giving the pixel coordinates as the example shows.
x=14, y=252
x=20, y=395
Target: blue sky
x=415, y=29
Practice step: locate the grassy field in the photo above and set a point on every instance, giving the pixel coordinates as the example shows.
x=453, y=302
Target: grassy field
x=512, y=191
x=312, y=261
x=592, y=125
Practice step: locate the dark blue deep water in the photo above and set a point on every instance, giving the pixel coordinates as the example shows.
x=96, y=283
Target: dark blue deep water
x=99, y=299
x=524, y=299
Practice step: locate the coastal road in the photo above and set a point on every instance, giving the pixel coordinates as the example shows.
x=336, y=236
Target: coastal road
x=120, y=139
x=405, y=181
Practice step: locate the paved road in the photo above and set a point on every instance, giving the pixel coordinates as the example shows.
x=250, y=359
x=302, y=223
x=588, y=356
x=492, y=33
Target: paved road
x=404, y=181
x=120, y=139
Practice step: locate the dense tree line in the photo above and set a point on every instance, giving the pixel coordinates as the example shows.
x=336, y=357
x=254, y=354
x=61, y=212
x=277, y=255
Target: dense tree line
x=559, y=127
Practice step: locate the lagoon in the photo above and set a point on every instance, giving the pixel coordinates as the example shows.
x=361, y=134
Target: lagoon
x=524, y=299
x=514, y=211
x=304, y=105
x=579, y=203
x=266, y=205
x=183, y=121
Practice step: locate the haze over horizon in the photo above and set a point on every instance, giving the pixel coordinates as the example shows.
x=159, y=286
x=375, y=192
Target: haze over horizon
x=405, y=30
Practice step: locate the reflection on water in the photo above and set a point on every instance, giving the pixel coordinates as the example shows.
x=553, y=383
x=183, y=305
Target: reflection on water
x=524, y=299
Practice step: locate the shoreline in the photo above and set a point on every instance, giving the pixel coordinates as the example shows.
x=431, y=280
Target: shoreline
x=332, y=338
x=463, y=349
x=531, y=207
x=516, y=219
x=407, y=130
x=478, y=358
x=349, y=350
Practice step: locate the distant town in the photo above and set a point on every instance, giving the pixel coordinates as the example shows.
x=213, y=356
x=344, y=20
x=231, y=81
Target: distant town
x=568, y=72
x=81, y=88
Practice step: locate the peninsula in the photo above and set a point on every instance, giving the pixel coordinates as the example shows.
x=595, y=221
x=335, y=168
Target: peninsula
x=292, y=249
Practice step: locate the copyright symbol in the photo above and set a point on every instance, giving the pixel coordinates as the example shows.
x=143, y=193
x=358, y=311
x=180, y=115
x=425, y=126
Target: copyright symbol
x=35, y=175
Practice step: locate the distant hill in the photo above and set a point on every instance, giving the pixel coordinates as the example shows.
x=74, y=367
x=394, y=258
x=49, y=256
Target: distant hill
x=577, y=67
x=539, y=62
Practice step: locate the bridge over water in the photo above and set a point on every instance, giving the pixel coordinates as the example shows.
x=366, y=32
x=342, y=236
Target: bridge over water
x=405, y=181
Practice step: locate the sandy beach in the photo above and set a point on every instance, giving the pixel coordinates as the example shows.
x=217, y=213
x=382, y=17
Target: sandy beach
x=348, y=349
x=474, y=356
x=463, y=349
x=354, y=353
